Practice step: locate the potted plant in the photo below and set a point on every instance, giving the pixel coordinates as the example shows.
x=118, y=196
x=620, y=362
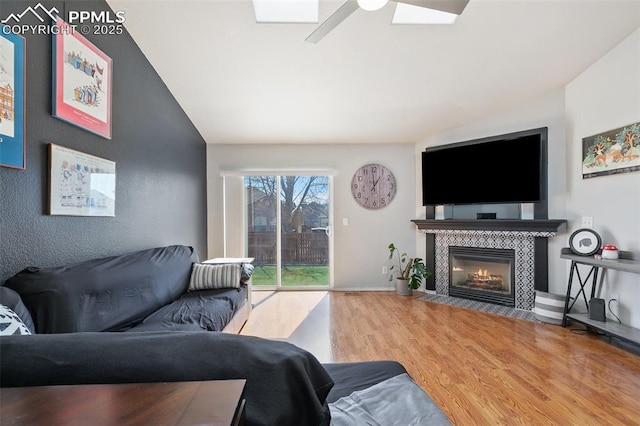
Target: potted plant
x=411, y=271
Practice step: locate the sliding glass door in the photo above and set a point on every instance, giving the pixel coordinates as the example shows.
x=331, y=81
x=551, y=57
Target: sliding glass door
x=288, y=230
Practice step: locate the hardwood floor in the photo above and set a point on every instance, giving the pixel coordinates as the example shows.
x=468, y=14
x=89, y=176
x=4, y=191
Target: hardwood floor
x=479, y=368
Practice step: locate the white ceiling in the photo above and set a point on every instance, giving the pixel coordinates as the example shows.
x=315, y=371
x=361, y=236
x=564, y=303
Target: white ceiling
x=367, y=81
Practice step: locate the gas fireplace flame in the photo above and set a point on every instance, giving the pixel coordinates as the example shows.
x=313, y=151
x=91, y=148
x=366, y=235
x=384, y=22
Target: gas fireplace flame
x=483, y=273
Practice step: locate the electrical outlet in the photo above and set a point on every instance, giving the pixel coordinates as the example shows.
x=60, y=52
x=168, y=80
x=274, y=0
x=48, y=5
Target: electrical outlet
x=587, y=221
x=615, y=297
x=384, y=270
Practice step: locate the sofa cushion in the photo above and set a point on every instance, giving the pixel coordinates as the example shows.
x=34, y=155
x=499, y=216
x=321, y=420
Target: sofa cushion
x=12, y=300
x=10, y=323
x=204, y=310
x=104, y=294
x=205, y=276
x=193, y=311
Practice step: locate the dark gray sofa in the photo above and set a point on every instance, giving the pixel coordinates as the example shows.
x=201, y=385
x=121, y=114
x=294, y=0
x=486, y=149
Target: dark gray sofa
x=130, y=319
x=145, y=290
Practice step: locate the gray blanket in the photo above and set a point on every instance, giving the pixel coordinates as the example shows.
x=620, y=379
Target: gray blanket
x=285, y=385
x=397, y=401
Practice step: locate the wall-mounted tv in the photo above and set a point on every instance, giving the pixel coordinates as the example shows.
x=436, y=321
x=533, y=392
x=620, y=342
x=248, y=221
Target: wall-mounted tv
x=509, y=168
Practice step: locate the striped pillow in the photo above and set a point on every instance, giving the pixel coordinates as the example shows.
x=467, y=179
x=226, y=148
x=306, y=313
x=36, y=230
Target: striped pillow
x=205, y=277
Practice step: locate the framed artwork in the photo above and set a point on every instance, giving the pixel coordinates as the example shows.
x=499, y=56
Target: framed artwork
x=82, y=81
x=585, y=242
x=615, y=151
x=80, y=184
x=12, y=100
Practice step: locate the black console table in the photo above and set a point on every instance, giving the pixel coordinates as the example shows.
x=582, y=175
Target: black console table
x=627, y=262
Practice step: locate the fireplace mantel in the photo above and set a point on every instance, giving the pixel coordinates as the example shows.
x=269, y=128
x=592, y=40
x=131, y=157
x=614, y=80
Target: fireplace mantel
x=512, y=225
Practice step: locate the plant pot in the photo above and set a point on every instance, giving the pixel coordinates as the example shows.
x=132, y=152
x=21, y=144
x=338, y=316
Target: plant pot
x=402, y=287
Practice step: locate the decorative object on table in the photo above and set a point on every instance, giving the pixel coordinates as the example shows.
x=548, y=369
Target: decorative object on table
x=373, y=186
x=411, y=271
x=611, y=152
x=12, y=99
x=80, y=184
x=82, y=80
x=596, y=309
x=585, y=242
x=609, y=251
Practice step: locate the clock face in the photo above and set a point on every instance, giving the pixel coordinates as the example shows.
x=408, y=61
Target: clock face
x=373, y=186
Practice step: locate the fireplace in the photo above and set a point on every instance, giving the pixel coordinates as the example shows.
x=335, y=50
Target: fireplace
x=482, y=274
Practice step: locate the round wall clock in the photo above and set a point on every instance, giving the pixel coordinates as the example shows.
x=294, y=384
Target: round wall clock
x=373, y=186
x=585, y=242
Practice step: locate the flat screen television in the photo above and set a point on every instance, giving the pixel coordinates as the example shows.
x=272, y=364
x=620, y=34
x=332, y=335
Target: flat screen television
x=509, y=168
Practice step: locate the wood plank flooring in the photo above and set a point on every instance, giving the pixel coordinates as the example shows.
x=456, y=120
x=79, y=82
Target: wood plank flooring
x=480, y=368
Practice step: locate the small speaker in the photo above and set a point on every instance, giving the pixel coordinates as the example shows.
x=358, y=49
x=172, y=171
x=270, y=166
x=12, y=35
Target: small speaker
x=485, y=215
x=596, y=310
x=444, y=212
x=526, y=211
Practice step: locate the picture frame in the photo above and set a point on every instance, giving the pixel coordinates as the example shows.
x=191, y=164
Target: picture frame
x=80, y=184
x=12, y=100
x=82, y=81
x=611, y=152
x=585, y=242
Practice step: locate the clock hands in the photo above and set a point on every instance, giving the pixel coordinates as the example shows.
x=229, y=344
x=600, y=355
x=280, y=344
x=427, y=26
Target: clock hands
x=375, y=183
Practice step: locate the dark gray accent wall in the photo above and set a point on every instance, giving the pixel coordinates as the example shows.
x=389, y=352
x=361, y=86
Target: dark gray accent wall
x=160, y=162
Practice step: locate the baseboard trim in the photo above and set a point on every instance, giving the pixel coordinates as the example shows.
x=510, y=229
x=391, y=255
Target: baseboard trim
x=363, y=289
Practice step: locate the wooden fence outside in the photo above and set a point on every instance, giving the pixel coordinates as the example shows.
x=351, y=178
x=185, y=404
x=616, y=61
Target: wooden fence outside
x=306, y=248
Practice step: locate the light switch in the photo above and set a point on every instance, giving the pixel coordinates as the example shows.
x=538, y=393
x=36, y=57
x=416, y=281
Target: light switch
x=587, y=221
x=345, y=221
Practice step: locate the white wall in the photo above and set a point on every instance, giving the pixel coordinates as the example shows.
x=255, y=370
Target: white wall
x=360, y=249
x=605, y=97
x=544, y=111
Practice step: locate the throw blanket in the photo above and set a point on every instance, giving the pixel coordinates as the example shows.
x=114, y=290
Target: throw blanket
x=396, y=401
x=285, y=385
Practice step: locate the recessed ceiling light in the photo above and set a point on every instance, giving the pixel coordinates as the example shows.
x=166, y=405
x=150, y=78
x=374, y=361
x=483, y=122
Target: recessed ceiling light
x=410, y=14
x=287, y=11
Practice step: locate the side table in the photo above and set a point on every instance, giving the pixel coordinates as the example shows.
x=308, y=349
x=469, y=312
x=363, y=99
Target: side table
x=628, y=262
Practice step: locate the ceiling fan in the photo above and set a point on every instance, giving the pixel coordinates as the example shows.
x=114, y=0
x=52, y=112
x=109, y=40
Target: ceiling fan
x=350, y=6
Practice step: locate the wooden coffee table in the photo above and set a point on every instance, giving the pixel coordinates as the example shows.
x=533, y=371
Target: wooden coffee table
x=216, y=402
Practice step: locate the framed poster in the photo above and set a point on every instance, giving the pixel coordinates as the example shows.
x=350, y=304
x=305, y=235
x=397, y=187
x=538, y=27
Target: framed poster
x=611, y=152
x=82, y=80
x=12, y=100
x=80, y=184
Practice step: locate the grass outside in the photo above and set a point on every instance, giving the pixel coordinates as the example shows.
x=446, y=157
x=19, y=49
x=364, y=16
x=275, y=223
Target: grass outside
x=291, y=275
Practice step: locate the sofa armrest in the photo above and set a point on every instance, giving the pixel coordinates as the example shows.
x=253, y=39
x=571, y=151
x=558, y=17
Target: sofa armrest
x=285, y=384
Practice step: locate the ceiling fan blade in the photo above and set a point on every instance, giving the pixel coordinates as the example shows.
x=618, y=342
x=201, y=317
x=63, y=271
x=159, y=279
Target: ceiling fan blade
x=332, y=21
x=451, y=6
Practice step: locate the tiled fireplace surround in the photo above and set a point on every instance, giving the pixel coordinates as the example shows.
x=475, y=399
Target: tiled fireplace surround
x=520, y=242
x=526, y=238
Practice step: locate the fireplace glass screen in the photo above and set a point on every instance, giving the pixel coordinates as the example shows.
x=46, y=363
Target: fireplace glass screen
x=482, y=274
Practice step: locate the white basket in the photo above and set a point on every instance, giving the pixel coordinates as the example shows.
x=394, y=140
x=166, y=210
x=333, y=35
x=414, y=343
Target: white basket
x=549, y=307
